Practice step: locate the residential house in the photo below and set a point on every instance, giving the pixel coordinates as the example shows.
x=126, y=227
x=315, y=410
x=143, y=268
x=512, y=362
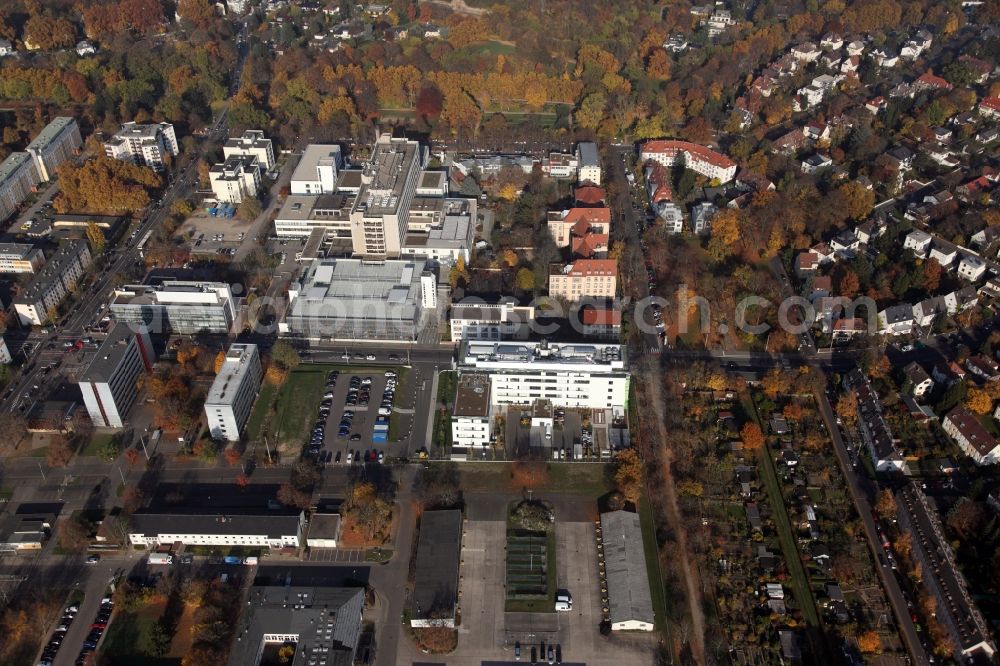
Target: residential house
x=927, y=310
x=701, y=216
x=807, y=52
x=874, y=430
x=986, y=237
x=930, y=81
x=942, y=134
x=919, y=382
x=855, y=48
x=990, y=107
x=821, y=287
x=815, y=162
x=601, y=323
x=806, y=263
x=971, y=268
x=791, y=142
x=980, y=68
x=945, y=253
x=850, y=65
x=918, y=241
x=971, y=436
x=947, y=373
x=832, y=42
x=884, y=56
x=902, y=156
x=984, y=366
x=896, y=320
x=6, y=48
x=973, y=189
x=848, y=327
x=876, y=104
x=961, y=300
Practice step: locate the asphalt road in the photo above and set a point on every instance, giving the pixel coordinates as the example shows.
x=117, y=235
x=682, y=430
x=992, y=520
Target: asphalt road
x=862, y=492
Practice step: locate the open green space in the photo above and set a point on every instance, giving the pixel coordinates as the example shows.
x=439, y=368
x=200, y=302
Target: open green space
x=656, y=590
x=130, y=637
x=441, y=438
x=590, y=480
x=98, y=442
x=260, y=408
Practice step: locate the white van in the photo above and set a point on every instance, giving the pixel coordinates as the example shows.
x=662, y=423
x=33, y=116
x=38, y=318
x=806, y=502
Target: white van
x=563, y=606
x=252, y=561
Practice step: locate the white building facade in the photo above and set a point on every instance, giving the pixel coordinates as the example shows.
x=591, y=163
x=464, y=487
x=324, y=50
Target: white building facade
x=56, y=143
x=109, y=383
x=231, y=397
x=145, y=145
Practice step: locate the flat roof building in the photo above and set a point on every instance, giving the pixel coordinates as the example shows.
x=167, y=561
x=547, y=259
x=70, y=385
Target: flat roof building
x=301, y=214
x=251, y=142
x=595, y=376
x=20, y=258
x=435, y=579
x=316, y=172
x=472, y=416
x=109, y=383
x=231, y=397
x=145, y=145
x=589, y=163
x=322, y=623
x=236, y=179
x=475, y=319
x=177, y=306
x=209, y=527
x=56, y=143
x=356, y=300
x=18, y=178
x=38, y=301
x=381, y=212
x=629, y=601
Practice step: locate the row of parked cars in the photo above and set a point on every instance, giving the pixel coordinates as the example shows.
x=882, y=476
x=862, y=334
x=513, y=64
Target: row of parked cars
x=319, y=428
x=55, y=642
x=96, y=630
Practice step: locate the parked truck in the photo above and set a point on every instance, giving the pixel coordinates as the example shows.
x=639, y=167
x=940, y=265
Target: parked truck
x=161, y=558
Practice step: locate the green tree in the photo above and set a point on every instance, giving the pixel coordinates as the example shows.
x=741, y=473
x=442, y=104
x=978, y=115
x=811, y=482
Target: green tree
x=525, y=279
x=285, y=355
x=249, y=209
x=591, y=110
x=96, y=238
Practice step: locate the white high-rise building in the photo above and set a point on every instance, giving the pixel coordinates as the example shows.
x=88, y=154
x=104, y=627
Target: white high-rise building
x=317, y=170
x=18, y=178
x=252, y=142
x=109, y=383
x=145, y=145
x=235, y=179
x=56, y=143
x=231, y=397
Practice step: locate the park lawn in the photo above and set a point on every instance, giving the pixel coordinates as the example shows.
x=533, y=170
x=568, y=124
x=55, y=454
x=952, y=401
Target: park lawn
x=259, y=412
x=493, y=48
x=128, y=632
x=97, y=441
x=649, y=547
x=298, y=403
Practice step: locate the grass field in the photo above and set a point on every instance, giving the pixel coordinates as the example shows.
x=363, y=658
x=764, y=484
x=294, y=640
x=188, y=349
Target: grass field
x=657, y=593
x=542, y=604
x=591, y=480
x=129, y=637
x=259, y=412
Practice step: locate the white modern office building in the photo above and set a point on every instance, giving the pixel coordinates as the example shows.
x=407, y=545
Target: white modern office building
x=594, y=376
x=52, y=283
x=20, y=258
x=472, y=416
x=18, y=179
x=145, y=145
x=56, y=143
x=251, y=142
x=231, y=397
x=177, y=306
x=109, y=383
x=271, y=529
x=477, y=320
x=351, y=299
x=380, y=216
x=317, y=170
x=236, y=179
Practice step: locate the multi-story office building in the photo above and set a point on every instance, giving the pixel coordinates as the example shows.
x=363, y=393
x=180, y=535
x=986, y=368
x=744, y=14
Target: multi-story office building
x=271, y=529
x=109, y=383
x=235, y=179
x=52, y=283
x=56, y=143
x=357, y=300
x=584, y=278
x=477, y=320
x=233, y=392
x=18, y=179
x=20, y=258
x=252, y=142
x=595, y=376
x=472, y=417
x=317, y=170
x=145, y=145
x=177, y=306
x=381, y=211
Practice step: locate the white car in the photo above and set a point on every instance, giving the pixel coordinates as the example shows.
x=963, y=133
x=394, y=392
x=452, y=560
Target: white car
x=370, y=357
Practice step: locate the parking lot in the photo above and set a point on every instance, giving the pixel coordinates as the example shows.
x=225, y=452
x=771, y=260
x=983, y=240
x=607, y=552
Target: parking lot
x=210, y=234
x=358, y=438
x=488, y=633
